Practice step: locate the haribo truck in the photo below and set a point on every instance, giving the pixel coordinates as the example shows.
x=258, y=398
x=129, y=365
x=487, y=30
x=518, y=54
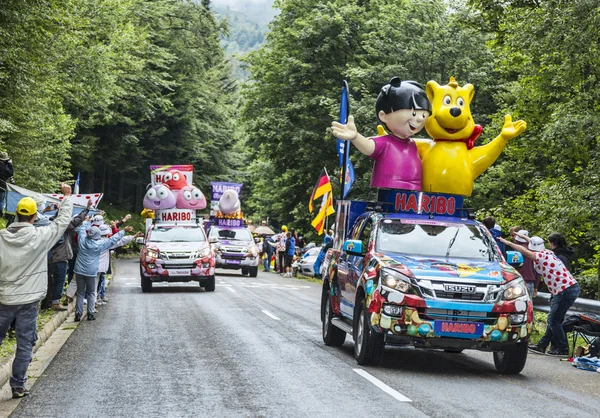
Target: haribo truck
x=415, y=269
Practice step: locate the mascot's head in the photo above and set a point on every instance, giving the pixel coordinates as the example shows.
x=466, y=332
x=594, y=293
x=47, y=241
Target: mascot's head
x=450, y=110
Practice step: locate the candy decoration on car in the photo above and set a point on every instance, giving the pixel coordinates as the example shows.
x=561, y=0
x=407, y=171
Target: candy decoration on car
x=175, y=180
x=190, y=197
x=229, y=202
x=159, y=197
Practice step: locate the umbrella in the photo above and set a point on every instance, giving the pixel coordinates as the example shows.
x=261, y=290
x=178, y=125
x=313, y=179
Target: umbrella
x=263, y=230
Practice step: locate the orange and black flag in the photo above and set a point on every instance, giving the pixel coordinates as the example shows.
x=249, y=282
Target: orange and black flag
x=322, y=188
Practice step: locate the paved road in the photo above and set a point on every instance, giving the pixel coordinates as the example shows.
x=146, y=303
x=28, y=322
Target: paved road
x=253, y=349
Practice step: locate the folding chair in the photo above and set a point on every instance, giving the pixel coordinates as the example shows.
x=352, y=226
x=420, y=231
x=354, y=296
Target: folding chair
x=588, y=336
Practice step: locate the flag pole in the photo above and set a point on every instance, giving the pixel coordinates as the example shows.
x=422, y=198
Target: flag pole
x=346, y=144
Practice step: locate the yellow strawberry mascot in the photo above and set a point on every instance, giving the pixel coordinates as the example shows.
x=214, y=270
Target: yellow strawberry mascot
x=450, y=162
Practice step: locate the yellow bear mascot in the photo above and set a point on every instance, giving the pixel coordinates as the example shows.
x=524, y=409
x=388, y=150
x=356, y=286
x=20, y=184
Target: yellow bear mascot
x=450, y=162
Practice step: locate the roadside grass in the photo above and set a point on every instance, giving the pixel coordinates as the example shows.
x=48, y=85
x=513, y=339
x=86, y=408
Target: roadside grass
x=9, y=344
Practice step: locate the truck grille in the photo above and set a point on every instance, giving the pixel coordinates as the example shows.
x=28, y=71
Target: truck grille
x=459, y=296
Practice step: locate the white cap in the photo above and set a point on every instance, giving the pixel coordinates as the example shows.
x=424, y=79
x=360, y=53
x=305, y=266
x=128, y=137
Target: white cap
x=105, y=230
x=524, y=233
x=536, y=244
x=97, y=220
x=497, y=228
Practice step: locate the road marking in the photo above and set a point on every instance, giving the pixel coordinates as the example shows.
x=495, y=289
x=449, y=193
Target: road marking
x=394, y=393
x=270, y=315
x=230, y=289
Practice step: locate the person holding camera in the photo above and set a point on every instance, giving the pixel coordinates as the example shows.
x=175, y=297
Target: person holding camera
x=6, y=173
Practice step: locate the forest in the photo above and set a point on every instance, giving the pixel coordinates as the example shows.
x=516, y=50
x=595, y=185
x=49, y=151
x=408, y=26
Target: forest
x=108, y=87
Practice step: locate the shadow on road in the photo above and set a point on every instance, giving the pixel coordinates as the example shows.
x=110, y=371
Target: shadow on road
x=432, y=362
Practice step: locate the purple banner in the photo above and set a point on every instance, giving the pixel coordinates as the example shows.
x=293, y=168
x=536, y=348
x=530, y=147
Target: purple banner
x=230, y=223
x=218, y=188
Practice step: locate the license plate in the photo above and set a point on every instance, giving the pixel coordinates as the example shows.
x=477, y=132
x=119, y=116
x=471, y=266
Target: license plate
x=458, y=329
x=233, y=261
x=180, y=272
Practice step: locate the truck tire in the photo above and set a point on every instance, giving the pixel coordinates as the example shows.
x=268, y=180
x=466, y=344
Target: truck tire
x=368, y=345
x=146, y=284
x=253, y=271
x=511, y=361
x=453, y=350
x=209, y=284
x=245, y=271
x=332, y=335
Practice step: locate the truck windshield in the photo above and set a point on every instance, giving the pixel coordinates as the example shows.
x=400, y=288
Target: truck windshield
x=180, y=234
x=434, y=239
x=234, y=234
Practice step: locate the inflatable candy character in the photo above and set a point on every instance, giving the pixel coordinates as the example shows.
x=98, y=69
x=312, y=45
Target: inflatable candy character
x=190, y=197
x=450, y=162
x=175, y=180
x=403, y=108
x=229, y=202
x=159, y=197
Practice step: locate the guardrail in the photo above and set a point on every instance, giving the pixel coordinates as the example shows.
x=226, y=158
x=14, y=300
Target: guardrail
x=542, y=303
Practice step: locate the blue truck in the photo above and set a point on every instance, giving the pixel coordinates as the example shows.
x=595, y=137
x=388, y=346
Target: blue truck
x=416, y=269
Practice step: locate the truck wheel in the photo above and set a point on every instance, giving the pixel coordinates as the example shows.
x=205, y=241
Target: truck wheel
x=245, y=271
x=146, y=284
x=511, y=361
x=332, y=335
x=209, y=284
x=253, y=271
x=453, y=350
x=368, y=345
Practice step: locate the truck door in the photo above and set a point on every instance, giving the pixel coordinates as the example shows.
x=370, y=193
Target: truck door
x=356, y=263
x=346, y=272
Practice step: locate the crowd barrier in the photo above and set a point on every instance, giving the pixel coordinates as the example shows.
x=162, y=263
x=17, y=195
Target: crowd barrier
x=542, y=303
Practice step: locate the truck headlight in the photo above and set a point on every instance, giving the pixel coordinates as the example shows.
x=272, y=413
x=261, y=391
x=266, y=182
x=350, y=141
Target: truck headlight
x=395, y=280
x=202, y=253
x=514, y=289
x=152, y=253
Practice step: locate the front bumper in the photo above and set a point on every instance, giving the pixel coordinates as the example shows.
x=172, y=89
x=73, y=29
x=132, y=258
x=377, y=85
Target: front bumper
x=178, y=270
x=436, y=323
x=235, y=262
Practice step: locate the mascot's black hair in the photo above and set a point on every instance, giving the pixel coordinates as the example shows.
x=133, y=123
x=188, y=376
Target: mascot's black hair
x=398, y=94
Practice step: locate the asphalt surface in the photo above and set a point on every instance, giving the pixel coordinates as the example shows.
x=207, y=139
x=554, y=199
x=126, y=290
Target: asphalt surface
x=253, y=348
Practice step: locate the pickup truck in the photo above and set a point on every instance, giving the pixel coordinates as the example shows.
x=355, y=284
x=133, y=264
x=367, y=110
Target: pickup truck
x=235, y=249
x=423, y=275
x=176, y=253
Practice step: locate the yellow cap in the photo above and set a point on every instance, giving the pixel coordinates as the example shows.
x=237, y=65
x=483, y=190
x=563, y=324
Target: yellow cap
x=284, y=228
x=26, y=206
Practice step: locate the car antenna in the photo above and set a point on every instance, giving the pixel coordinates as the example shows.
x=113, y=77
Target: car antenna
x=430, y=192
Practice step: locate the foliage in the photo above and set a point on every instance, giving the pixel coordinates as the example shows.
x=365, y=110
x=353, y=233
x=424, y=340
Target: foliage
x=108, y=87
x=296, y=80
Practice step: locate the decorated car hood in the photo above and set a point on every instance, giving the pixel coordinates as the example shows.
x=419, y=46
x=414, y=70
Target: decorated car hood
x=178, y=246
x=453, y=268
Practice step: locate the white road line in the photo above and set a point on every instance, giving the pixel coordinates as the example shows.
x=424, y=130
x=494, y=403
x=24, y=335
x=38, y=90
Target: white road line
x=230, y=289
x=270, y=315
x=394, y=393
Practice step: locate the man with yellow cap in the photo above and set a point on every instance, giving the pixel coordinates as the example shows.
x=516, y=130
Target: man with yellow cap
x=23, y=272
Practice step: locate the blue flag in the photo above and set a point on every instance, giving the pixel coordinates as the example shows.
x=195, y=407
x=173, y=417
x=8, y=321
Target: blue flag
x=344, y=110
x=343, y=147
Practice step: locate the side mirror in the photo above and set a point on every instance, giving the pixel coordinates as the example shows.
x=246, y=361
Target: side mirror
x=514, y=258
x=139, y=240
x=213, y=240
x=353, y=247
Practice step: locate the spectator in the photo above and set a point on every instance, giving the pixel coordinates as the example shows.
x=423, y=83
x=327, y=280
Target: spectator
x=6, y=173
x=496, y=231
x=532, y=279
x=290, y=251
x=561, y=284
x=62, y=253
x=23, y=262
x=42, y=208
x=269, y=247
x=104, y=261
x=86, y=268
x=558, y=244
x=280, y=240
x=327, y=244
x=301, y=243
